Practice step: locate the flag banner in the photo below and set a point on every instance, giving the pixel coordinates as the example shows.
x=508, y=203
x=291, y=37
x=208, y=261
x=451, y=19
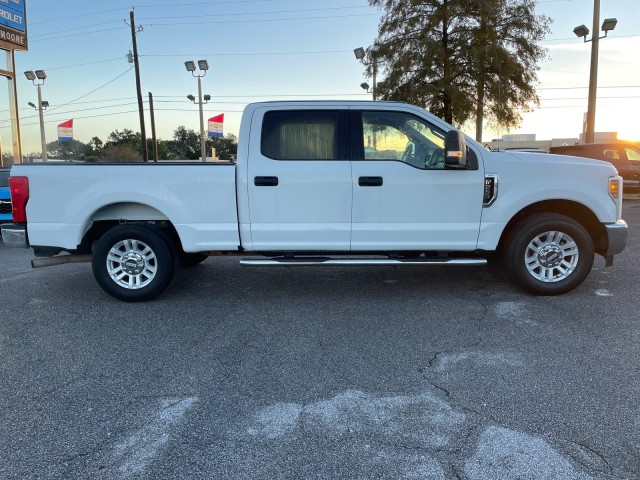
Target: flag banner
x=65, y=131
x=215, y=126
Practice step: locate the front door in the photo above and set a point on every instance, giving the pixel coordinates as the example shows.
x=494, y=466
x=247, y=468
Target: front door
x=403, y=196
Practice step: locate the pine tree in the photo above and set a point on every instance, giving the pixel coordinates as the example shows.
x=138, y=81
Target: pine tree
x=460, y=59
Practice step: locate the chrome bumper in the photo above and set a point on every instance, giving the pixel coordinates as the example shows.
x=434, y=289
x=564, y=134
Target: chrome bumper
x=14, y=236
x=616, y=240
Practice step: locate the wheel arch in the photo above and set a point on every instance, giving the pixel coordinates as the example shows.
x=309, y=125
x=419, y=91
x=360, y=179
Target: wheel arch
x=108, y=216
x=569, y=208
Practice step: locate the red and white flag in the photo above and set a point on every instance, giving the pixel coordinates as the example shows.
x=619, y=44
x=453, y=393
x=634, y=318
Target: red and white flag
x=65, y=131
x=215, y=126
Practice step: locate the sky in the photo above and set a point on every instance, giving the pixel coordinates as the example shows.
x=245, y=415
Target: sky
x=277, y=49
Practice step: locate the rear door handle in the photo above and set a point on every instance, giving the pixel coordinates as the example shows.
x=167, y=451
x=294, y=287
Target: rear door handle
x=265, y=181
x=370, y=181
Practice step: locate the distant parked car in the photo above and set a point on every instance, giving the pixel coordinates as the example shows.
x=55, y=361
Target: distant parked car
x=5, y=198
x=625, y=156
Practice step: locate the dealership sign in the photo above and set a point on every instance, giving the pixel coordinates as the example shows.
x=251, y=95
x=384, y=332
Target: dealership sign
x=13, y=25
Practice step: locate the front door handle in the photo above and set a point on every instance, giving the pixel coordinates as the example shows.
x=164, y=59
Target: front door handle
x=370, y=181
x=265, y=181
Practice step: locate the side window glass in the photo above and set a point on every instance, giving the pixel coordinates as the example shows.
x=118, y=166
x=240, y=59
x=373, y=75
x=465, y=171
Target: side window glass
x=402, y=137
x=633, y=154
x=611, y=155
x=300, y=135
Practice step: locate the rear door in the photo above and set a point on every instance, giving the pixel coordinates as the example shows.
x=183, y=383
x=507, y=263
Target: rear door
x=299, y=184
x=403, y=196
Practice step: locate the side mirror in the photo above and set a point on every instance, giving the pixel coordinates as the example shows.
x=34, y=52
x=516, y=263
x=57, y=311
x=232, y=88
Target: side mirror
x=455, y=147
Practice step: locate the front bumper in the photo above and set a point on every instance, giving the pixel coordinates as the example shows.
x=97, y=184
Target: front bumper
x=14, y=236
x=616, y=240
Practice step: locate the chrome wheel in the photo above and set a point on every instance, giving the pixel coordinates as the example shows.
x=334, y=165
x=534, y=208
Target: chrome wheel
x=132, y=264
x=551, y=256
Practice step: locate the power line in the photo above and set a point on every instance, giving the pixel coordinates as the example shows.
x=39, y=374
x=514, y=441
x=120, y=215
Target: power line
x=87, y=63
x=212, y=22
x=74, y=29
x=256, y=13
x=220, y=54
x=51, y=20
x=578, y=40
x=60, y=119
x=94, y=90
x=78, y=34
x=154, y=5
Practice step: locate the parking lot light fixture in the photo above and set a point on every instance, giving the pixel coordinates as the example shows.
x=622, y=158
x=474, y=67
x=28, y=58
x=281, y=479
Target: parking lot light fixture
x=609, y=24
x=34, y=77
x=582, y=31
x=203, y=66
x=360, y=54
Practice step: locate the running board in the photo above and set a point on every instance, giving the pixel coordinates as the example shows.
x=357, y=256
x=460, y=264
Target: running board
x=270, y=262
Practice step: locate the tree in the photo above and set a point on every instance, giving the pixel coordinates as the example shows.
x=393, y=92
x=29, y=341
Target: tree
x=460, y=58
x=94, y=147
x=119, y=153
x=186, y=145
x=127, y=138
x=67, y=150
x=226, y=147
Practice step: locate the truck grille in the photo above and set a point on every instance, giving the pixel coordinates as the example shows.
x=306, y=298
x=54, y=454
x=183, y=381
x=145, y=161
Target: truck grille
x=5, y=207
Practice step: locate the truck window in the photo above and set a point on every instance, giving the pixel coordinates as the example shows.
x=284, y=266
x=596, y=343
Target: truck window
x=403, y=137
x=633, y=154
x=300, y=135
x=611, y=154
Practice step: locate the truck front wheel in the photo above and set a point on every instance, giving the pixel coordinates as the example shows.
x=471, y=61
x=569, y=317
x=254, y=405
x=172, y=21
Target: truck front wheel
x=134, y=263
x=548, y=254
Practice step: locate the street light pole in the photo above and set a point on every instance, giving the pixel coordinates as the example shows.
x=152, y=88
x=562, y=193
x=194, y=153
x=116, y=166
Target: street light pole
x=593, y=75
x=203, y=66
x=582, y=31
x=41, y=114
x=360, y=54
x=42, y=76
x=203, y=138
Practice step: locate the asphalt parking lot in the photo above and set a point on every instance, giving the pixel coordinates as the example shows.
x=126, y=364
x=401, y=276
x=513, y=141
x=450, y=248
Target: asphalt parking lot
x=265, y=373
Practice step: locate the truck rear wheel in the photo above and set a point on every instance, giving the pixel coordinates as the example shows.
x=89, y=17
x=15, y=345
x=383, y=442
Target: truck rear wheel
x=134, y=263
x=548, y=254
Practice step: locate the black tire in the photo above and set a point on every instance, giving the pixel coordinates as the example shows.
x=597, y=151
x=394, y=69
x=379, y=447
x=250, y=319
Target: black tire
x=188, y=260
x=548, y=254
x=142, y=262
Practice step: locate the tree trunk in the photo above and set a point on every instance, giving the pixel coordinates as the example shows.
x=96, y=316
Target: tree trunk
x=480, y=87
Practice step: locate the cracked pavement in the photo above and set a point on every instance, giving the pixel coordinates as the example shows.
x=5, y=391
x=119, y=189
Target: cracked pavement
x=416, y=373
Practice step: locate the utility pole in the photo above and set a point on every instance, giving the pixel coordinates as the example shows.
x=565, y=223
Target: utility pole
x=145, y=155
x=154, y=140
x=593, y=75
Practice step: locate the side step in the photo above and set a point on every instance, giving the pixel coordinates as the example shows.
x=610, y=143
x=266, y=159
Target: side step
x=327, y=261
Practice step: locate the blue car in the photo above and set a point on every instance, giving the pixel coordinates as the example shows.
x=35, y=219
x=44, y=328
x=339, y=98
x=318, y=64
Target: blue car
x=5, y=198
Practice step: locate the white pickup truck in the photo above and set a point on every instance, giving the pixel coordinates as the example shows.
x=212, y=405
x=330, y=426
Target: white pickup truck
x=325, y=183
